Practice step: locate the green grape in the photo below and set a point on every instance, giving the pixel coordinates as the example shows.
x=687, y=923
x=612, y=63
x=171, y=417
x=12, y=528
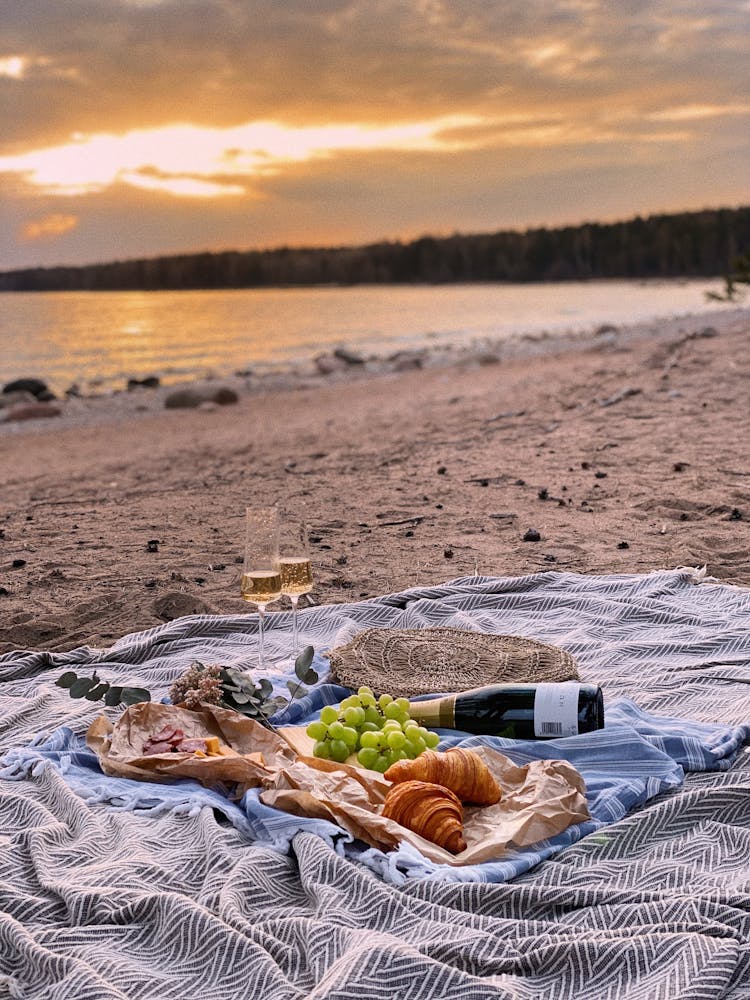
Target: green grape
x=385, y=699
x=398, y=755
x=322, y=749
x=373, y=715
x=339, y=751
x=354, y=716
x=390, y=726
x=367, y=756
x=391, y=710
x=329, y=714
x=367, y=700
x=369, y=740
x=369, y=727
x=317, y=730
x=381, y=763
x=411, y=724
x=395, y=740
x=423, y=732
x=432, y=740
x=350, y=737
x=412, y=750
x=364, y=690
x=336, y=730
x=403, y=704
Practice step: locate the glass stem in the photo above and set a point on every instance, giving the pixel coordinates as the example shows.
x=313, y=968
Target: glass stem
x=261, y=638
x=295, y=635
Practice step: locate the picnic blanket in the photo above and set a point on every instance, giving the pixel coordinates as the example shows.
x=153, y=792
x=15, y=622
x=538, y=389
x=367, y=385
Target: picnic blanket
x=135, y=892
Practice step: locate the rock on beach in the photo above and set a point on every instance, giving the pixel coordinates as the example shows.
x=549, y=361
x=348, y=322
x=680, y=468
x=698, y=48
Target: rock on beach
x=191, y=397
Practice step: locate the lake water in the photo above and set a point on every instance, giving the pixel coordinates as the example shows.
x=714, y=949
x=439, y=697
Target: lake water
x=100, y=339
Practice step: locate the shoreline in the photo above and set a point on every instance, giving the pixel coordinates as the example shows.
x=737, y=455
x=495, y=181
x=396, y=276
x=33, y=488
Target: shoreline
x=342, y=365
x=621, y=456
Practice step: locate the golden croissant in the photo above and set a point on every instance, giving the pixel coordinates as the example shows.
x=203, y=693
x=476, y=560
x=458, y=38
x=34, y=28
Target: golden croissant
x=459, y=769
x=430, y=810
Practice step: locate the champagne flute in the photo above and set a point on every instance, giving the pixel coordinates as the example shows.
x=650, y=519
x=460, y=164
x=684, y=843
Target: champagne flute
x=261, y=582
x=295, y=569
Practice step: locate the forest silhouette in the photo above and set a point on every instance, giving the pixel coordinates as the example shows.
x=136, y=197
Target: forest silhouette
x=682, y=245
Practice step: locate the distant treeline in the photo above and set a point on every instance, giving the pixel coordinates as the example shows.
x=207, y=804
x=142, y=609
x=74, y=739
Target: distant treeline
x=688, y=244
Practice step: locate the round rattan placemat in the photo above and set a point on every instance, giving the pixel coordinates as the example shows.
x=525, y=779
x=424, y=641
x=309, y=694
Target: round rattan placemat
x=410, y=662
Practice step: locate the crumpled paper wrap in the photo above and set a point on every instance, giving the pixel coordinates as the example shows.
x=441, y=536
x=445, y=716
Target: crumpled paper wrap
x=259, y=751
x=539, y=800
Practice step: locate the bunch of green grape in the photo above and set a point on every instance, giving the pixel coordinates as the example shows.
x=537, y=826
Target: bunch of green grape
x=379, y=730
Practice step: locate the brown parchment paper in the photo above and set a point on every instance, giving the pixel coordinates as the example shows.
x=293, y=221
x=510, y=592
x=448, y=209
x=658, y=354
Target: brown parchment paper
x=539, y=800
x=259, y=752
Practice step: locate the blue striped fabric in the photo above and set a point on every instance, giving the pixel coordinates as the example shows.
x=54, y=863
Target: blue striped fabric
x=634, y=758
x=167, y=892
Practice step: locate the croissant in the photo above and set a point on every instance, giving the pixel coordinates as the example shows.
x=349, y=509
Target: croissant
x=430, y=810
x=459, y=769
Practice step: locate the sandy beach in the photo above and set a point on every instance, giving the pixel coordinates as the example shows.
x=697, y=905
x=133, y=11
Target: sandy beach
x=625, y=453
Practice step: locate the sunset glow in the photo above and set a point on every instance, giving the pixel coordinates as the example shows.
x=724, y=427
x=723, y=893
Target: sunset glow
x=176, y=159
x=162, y=127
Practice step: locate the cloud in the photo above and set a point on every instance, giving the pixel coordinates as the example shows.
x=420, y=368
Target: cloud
x=50, y=227
x=517, y=98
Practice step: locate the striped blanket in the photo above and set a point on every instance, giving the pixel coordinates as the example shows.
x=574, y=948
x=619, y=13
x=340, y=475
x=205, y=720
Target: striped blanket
x=109, y=890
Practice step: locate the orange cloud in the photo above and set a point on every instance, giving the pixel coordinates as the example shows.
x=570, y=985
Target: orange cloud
x=49, y=227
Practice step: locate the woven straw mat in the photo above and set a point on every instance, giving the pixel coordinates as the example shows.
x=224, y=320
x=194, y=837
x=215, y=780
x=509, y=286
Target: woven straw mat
x=408, y=662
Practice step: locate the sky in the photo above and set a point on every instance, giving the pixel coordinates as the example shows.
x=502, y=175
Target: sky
x=137, y=128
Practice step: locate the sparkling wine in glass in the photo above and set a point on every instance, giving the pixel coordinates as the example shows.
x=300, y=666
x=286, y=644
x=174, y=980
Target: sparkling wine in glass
x=295, y=569
x=261, y=579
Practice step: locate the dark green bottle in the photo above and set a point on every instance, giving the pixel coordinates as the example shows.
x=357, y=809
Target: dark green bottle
x=517, y=711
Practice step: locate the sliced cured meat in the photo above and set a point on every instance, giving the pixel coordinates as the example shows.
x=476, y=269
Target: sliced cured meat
x=160, y=746
x=190, y=746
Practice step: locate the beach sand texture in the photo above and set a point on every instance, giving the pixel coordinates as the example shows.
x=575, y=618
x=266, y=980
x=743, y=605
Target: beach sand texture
x=626, y=455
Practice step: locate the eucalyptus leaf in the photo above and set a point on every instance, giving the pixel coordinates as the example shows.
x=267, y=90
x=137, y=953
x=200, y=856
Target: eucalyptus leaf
x=240, y=699
x=132, y=696
x=67, y=679
x=296, y=690
x=98, y=692
x=113, y=696
x=265, y=687
x=81, y=687
x=303, y=661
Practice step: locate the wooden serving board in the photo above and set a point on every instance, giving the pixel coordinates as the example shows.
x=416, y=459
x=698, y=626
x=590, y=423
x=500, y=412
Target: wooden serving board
x=302, y=744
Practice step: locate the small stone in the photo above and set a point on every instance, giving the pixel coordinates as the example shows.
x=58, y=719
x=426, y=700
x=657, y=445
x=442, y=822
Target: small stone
x=448, y=553
x=623, y=545
x=18, y=563
x=4, y=592
x=585, y=465
x=409, y=534
x=550, y=558
x=543, y=493
x=31, y=411
x=347, y=356
x=532, y=535
x=342, y=560
x=192, y=396
x=152, y=545
x=520, y=482
x=149, y=584
x=149, y=382
x=438, y=506
x=441, y=470
x=736, y=514
x=37, y=388
x=315, y=539
x=216, y=567
x=600, y=475
x=680, y=466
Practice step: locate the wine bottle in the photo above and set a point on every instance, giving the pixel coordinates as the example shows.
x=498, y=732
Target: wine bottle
x=516, y=711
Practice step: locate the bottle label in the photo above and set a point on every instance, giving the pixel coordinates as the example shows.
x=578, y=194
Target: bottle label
x=556, y=710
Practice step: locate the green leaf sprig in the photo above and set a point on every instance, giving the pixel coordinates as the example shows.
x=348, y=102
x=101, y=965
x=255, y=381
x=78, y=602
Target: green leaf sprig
x=94, y=689
x=201, y=684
